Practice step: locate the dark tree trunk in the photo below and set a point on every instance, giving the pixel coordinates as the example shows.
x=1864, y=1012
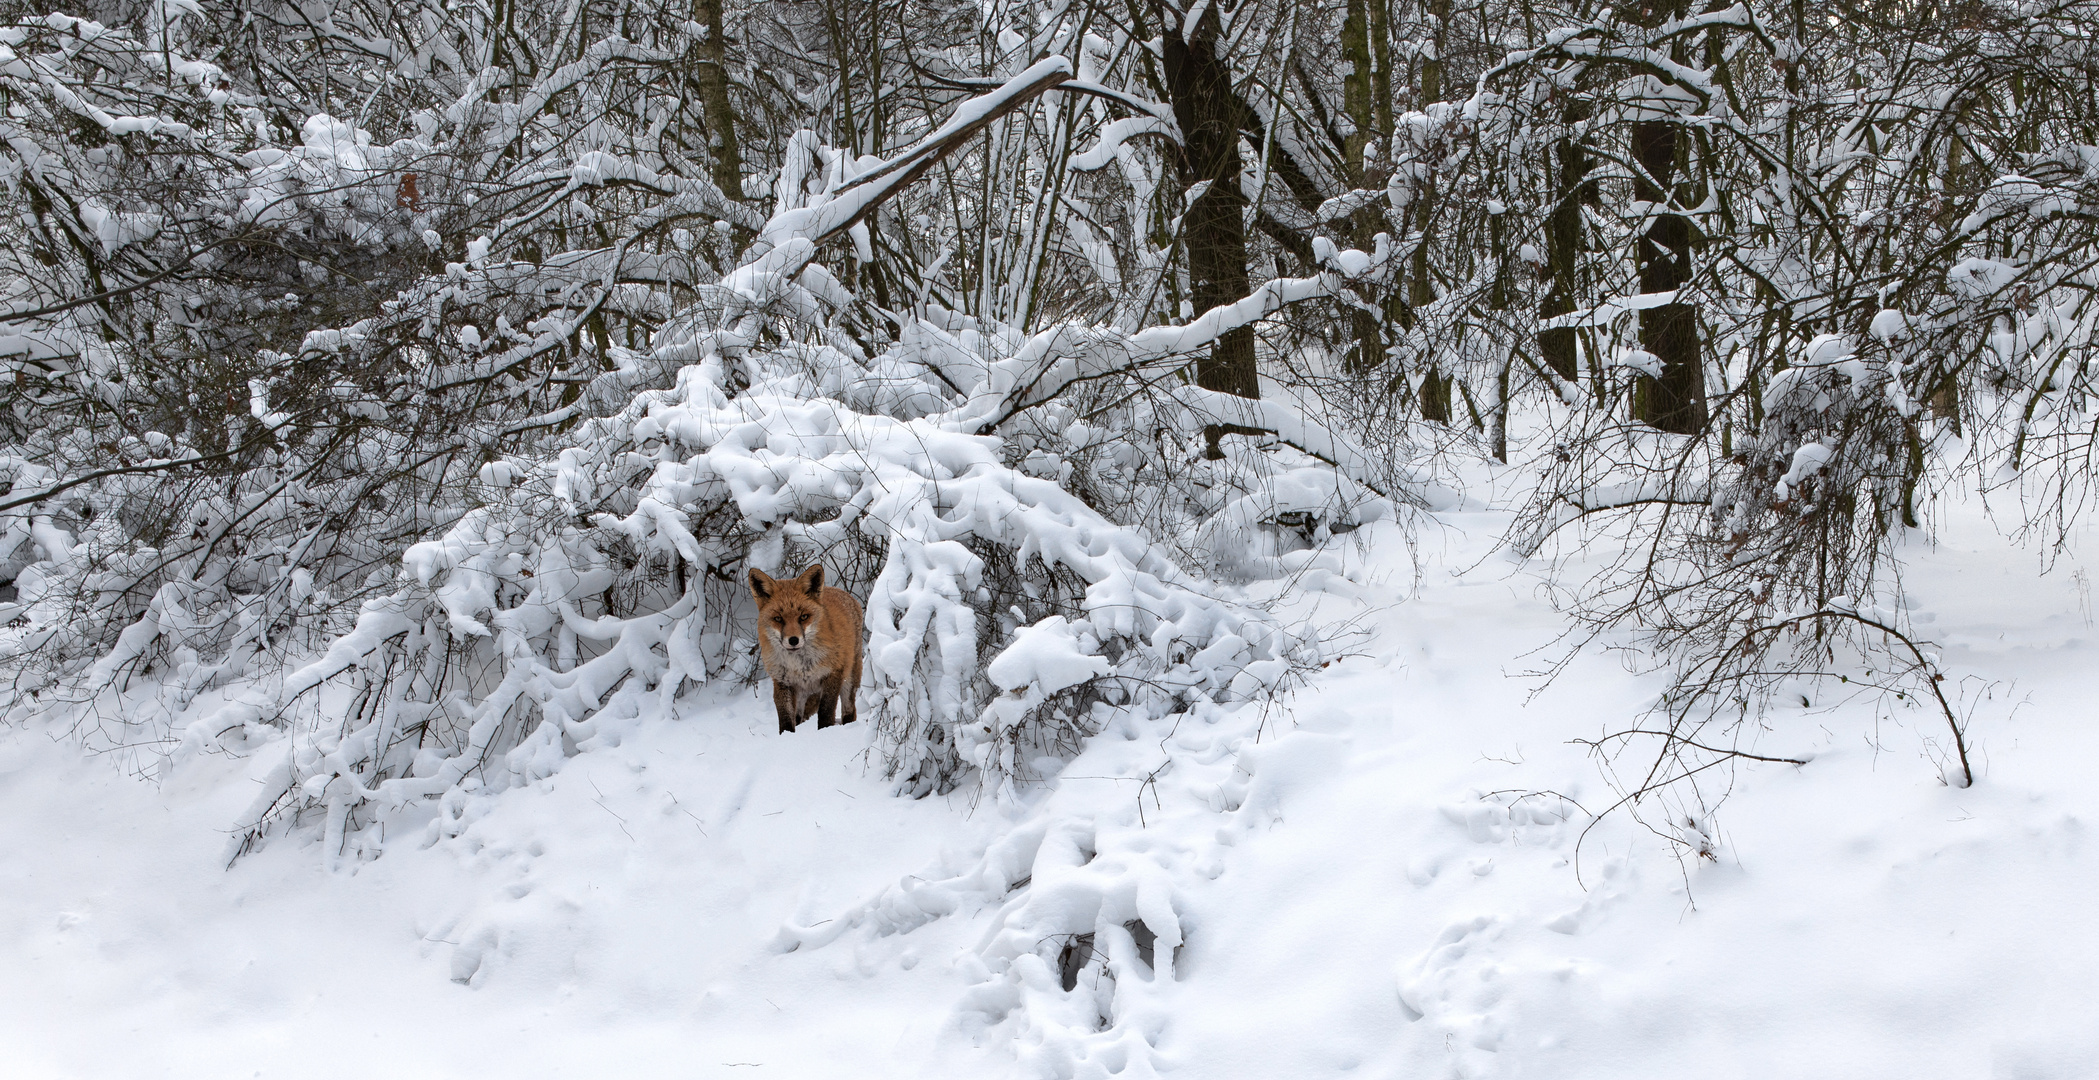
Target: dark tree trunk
x=1572, y=190
x=1358, y=101
x=1435, y=385
x=1674, y=400
x=713, y=78
x=1214, y=228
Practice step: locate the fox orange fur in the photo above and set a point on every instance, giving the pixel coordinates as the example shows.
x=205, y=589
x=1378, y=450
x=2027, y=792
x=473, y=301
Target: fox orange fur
x=809, y=640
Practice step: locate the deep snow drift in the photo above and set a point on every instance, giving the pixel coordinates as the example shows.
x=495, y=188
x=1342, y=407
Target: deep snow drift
x=1376, y=877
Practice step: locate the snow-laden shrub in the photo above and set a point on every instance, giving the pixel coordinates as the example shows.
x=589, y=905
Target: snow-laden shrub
x=594, y=580
x=1759, y=579
x=576, y=472
x=223, y=418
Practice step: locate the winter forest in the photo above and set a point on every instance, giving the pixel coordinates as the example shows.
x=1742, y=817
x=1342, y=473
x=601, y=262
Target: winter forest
x=1397, y=537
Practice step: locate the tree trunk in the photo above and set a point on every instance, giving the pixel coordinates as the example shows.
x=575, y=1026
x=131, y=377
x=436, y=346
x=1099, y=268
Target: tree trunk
x=1675, y=400
x=1213, y=228
x=713, y=79
x=1498, y=300
x=1358, y=102
x=1572, y=190
x=1435, y=386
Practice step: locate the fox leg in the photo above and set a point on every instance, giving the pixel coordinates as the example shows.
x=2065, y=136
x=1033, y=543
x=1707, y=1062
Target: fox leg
x=784, y=703
x=849, y=694
x=848, y=689
x=827, y=704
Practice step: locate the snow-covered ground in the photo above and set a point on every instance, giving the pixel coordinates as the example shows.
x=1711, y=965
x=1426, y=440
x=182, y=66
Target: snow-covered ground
x=1376, y=877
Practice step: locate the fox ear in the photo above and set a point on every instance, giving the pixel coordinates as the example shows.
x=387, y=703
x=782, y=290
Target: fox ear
x=814, y=576
x=761, y=585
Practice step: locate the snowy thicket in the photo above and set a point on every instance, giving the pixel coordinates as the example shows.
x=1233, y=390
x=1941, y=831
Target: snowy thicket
x=597, y=578
x=1873, y=300
x=1025, y=569
x=250, y=364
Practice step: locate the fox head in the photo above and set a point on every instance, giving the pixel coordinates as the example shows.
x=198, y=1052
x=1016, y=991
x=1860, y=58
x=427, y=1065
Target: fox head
x=789, y=608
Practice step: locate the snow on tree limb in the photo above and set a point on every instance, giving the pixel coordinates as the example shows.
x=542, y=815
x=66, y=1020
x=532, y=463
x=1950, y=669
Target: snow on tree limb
x=848, y=203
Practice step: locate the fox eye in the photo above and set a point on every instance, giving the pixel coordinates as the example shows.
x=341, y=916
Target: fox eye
x=778, y=621
x=805, y=618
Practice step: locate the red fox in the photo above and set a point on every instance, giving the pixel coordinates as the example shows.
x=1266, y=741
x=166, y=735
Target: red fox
x=809, y=640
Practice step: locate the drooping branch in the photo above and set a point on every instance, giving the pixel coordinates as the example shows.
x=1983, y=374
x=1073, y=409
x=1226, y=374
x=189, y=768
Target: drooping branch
x=860, y=196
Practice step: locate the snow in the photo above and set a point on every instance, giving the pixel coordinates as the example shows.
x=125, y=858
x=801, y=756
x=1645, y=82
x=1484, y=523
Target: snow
x=834, y=198
x=1114, y=135
x=584, y=952
x=1808, y=460
x=1640, y=360
x=1609, y=309
x=33, y=349
x=1978, y=279
x=1391, y=871
x=1046, y=656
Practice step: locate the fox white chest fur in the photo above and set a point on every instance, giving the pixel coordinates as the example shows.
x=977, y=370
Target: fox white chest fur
x=803, y=669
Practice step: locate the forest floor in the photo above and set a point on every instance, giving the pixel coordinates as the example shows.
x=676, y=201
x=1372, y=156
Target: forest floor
x=1389, y=873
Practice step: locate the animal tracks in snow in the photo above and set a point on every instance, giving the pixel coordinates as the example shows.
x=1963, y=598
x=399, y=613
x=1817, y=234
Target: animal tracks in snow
x=1457, y=983
x=1484, y=978
x=1084, y=899
x=1521, y=818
